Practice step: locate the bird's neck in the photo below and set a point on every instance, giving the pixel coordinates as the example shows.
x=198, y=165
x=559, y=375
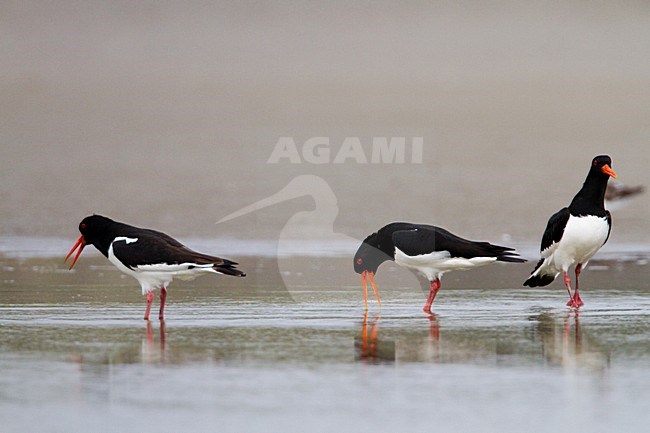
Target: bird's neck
x=591, y=197
x=387, y=249
x=378, y=255
x=103, y=242
x=102, y=246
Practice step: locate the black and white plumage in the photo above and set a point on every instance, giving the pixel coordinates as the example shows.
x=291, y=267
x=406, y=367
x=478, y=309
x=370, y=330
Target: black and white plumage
x=575, y=233
x=150, y=256
x=430, y=250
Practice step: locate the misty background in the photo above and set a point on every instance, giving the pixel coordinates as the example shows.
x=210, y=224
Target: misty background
x=165, y=114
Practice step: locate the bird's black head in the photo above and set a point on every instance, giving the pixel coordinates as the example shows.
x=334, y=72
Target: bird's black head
x=602, y=166
x=590, y=199
x=95, y=230
x=369, y=256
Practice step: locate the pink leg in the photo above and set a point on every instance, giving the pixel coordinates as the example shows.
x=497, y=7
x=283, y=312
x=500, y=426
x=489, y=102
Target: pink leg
x=567, y=283
x=435, y=286
x=149, y=301
x=576, y=296
x=163, y=298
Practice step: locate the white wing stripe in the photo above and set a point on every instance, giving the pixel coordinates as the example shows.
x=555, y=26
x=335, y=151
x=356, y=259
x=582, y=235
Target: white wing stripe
x=125, y=239
x=165, y=267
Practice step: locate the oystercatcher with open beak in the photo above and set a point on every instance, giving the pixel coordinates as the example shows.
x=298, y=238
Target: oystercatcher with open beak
x=151, y=257
x=430, y=250
x=575, y=233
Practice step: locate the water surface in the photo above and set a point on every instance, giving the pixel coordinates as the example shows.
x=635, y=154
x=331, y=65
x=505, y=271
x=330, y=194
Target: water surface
x=75, y=355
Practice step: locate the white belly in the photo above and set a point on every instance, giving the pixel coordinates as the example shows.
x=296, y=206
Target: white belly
x=433, y=265
x=148, y=281
x=582, y=238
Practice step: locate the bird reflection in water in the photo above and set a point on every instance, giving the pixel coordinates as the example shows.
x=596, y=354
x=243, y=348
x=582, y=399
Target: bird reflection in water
x=434, y=328
x=152, y=352
x=368, y=347
x=567, y=345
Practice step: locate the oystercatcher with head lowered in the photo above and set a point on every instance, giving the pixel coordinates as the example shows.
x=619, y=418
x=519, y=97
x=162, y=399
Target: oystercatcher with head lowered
x=151, y=257
x=575, y=233
x=430, y=250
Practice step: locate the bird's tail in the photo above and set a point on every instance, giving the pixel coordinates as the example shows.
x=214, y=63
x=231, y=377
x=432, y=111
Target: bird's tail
x=538, y=277
x=227, y=267
x=504, y=254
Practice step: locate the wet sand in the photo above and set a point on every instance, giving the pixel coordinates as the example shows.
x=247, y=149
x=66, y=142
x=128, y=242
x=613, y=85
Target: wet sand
x=260, y=354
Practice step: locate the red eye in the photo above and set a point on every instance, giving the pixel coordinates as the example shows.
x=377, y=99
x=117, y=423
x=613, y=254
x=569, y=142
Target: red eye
x=359, y=261
x=595, y=162
x=82, y=225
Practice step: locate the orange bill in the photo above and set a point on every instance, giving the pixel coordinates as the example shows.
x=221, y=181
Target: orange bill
x=81, y=243
x=374, y=287
x=608, y=170
x=364, y=274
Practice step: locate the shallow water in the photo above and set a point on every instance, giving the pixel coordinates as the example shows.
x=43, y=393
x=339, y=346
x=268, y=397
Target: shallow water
x=165, y=115
x=75, y=354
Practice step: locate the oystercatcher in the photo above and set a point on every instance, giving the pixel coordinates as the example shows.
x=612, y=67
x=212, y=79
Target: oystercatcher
x=430, y=250
x=151, y=257
x=575, y=233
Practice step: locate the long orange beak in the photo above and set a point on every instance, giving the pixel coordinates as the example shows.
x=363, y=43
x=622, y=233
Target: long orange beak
x=608, y=170
x=364, y=284
x=374, y=287
x=81, y=243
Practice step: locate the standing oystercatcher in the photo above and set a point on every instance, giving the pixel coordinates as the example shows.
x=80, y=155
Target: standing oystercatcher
x=575, y=233
x=428, y=249
x=151, y=257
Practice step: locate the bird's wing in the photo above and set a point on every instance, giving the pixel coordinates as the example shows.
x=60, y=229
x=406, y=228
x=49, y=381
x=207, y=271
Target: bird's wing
x=609, y=224
x=415, y=242
x=427, y=239
x=554, y=230
x=161, y=237
x=149, y=248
